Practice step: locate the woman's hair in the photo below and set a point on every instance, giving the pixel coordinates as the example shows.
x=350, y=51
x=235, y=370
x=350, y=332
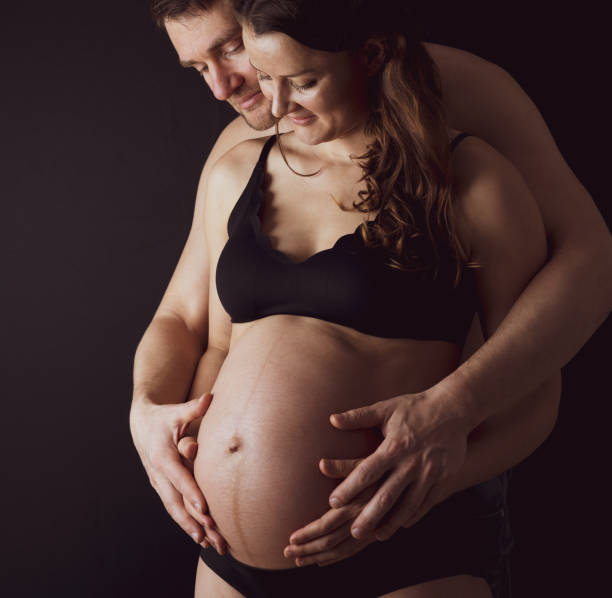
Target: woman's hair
x=173, y=9
x=407, y=166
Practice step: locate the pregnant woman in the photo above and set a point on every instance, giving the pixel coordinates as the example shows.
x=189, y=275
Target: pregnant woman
x=348, y=259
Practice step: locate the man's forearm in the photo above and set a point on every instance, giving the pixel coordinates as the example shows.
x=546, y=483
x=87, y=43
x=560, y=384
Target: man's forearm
x=165, y=362
x=506, y=439
x=548, y=324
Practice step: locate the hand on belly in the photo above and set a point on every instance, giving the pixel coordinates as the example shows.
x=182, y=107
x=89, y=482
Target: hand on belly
x=260, y=445
x=269, y=423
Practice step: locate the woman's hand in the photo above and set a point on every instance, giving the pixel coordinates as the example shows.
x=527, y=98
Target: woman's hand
x=424, y=446
x=157, y=431
x=328, y=539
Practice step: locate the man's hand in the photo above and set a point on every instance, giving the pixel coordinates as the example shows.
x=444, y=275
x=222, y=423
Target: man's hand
x=425, y=442
x=328, y=539
x=156, y=431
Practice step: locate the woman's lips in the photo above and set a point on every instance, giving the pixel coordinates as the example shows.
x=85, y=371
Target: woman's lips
x=302, y=120
x=250, y=100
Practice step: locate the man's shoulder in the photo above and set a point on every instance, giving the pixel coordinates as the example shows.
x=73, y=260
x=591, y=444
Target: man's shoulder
x=462, y=72
x=236, y=132
x=232, y=171
x=241, y=157
x=448, y=56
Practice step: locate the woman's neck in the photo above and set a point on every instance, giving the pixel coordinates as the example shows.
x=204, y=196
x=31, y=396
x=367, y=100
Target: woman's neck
x=340, y=150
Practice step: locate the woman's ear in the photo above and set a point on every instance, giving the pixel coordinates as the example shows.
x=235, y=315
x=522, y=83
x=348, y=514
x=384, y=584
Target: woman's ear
x=372, y=55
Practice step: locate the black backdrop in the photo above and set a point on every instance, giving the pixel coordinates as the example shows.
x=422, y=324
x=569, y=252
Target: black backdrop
x=103, y=138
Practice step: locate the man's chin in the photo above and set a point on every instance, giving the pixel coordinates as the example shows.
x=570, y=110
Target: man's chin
x=259, y=122
x=259, y=117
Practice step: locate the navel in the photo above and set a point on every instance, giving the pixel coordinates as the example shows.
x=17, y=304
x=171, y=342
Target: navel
x=234, y=445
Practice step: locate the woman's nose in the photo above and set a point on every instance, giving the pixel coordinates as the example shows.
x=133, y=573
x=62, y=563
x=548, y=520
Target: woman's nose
x=280, y=103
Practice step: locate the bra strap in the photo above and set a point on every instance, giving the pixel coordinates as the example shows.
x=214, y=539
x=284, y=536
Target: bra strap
x=457, y=140
x=265, y=150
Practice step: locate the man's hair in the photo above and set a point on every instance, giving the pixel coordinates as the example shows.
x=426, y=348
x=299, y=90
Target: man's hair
x=173, y=9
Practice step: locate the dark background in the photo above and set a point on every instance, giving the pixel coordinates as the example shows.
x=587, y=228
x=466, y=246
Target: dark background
x=103, y=138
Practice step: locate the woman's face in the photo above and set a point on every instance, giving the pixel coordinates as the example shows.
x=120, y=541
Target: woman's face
x=324, y=94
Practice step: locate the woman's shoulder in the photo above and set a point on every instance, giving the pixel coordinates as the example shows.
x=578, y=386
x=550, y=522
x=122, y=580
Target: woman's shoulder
x=490, y=196
x=477, y=167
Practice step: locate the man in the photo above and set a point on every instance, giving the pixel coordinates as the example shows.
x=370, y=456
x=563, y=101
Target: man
x=510, y=388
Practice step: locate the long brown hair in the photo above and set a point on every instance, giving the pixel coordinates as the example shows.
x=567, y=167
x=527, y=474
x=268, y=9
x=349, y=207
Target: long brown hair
x=407, y=166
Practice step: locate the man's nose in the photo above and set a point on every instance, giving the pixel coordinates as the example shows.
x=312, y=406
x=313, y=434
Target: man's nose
x=224, y=83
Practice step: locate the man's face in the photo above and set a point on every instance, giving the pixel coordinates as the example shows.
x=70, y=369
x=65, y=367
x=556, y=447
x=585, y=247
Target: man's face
x=211, y=43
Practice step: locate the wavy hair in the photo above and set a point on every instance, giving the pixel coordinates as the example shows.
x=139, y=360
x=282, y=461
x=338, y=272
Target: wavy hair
x=406, y=167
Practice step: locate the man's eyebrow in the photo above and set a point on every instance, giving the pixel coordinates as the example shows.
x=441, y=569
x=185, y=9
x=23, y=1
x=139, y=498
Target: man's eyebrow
x=219, y=41
x=287, y=76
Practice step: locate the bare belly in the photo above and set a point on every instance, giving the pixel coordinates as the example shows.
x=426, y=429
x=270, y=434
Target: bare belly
x=268, y=425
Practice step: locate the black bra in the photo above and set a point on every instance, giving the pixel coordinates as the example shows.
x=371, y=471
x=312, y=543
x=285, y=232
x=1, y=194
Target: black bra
x=349, y=284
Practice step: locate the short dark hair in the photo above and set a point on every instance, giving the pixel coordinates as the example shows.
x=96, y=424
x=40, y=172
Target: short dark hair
x=173, y=9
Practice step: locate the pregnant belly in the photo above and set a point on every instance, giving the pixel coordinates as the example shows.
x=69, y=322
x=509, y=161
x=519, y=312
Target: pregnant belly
x=268, y=426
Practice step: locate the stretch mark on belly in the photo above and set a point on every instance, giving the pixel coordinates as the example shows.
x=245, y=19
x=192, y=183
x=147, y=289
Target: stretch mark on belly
x=254, y=387
x=234, y=445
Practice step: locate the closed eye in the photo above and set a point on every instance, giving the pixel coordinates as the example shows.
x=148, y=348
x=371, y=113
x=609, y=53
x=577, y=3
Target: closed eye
x=237, y=49
x=304, y=87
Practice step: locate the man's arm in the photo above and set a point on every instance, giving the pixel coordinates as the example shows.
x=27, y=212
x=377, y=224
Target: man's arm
x=491, y=449
x=572, y=295
x=561, y=306
x=165, y=362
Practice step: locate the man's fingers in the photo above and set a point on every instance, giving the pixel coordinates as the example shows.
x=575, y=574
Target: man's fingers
x=431, y=500
x=188, y=448
x=406, y=508
x=380, y=504
x=176, y=509
x=216, y=539
x=191, y=410
x=338, y=468
x=203, y=519
x=370, y=470
x=369, y=416
x=211, y=534
x=182, y=479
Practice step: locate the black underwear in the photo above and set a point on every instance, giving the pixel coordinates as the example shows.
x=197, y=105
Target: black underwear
x=468, y=534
